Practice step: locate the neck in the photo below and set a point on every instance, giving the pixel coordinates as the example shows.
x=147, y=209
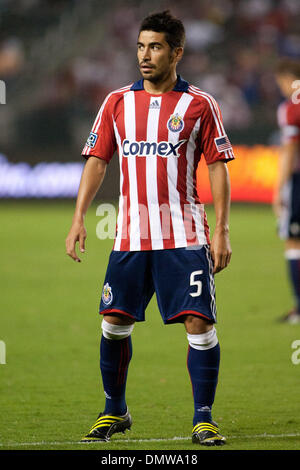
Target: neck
x=162, y=86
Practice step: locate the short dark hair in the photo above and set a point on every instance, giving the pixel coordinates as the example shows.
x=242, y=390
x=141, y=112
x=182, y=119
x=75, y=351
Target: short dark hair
x=164, y=22
x=288, y=65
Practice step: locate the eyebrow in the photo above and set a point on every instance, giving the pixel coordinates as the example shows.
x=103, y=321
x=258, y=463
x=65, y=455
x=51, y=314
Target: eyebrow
x=155, y=43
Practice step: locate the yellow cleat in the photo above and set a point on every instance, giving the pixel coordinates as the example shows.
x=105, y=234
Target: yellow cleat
x=106, y=426
x=207, y=434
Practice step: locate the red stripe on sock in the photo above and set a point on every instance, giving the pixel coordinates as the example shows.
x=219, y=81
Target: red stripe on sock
x=124, y=361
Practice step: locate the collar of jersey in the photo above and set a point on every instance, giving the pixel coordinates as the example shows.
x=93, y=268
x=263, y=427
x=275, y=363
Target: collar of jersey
x=181, y=85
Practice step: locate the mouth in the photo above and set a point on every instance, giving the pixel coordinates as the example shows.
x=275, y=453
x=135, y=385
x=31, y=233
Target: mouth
x=146, y=67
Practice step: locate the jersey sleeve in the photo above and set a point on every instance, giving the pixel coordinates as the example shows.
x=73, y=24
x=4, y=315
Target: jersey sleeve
x=288, y=117
x=214, y=143
x=101, y=142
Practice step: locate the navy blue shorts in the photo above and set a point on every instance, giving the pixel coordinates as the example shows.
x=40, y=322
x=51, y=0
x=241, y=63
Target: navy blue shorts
x=181, y=278
x=289, y=222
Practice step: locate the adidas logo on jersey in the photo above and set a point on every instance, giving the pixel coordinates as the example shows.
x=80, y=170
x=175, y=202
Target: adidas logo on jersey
x=154, y=105
x=145, y=149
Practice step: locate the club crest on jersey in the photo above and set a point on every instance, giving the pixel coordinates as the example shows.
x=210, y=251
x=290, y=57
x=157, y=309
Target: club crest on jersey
x=107, y=295
x=175, y=123
x=92, y=139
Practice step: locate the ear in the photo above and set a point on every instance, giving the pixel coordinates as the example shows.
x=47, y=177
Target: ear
x=178, y=53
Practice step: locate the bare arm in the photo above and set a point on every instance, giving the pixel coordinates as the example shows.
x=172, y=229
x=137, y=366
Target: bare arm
x=220, y=188
x=91, y=180
x=287, y=158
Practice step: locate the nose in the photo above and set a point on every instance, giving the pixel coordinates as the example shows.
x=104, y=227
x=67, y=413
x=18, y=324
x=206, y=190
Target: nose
x=146, y=54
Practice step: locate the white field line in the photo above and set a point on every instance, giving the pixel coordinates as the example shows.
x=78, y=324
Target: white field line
x=132, y=441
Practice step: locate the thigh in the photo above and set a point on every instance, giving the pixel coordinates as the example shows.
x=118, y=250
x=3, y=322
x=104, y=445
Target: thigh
x=184, y=283
x=127, y=287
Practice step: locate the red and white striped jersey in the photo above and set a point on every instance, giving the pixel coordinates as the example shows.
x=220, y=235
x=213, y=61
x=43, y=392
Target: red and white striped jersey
x=288, y=116
x=159, y=139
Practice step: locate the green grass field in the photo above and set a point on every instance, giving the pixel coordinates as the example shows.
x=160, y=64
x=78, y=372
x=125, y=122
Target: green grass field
x=50, y=386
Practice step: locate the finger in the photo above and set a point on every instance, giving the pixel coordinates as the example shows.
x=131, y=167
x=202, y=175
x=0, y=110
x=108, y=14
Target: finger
x=82, y=243
x=217, y=264
x=218, y=269
x=70, y=249
x=74, y=256
x=228, y=259
x=225, y=261
x=213, y=258
x=221, y=263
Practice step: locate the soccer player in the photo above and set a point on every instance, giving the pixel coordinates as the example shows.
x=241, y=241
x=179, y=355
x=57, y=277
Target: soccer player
x=160, y=126
x=286, y=200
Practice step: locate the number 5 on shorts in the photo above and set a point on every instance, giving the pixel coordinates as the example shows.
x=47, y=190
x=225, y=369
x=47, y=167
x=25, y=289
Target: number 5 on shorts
x=194, y=282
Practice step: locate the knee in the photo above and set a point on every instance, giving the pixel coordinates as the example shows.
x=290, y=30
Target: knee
x=203, y=341
x=197, y=325
x=201, y=333
x=115, y=331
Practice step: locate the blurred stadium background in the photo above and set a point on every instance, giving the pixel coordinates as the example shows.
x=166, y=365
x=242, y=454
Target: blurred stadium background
x=59, y=58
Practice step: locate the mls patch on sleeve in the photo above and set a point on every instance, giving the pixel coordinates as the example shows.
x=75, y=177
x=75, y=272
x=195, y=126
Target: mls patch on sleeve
x=91, y=142
x=222, y=143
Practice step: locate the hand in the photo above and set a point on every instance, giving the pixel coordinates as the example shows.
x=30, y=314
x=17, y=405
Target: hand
x=220, y=250
x=77, y=234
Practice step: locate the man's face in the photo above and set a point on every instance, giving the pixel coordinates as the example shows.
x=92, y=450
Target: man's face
x=285, y=82
x=155, y=57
